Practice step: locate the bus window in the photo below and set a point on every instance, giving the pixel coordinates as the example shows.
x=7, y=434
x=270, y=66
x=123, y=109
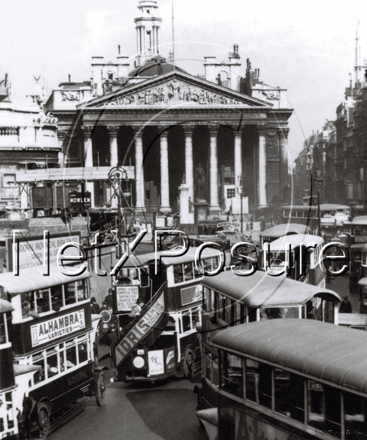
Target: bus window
x=39, y=360
x=56, y=298
x=252, y=380
x=251, y=314
x=144, y=277
x=186, y=322
x=206, y=299
x=83, y=350
x=265, y=390
x=42, y=297
x=196, y=318
x=82, y=290
x=52, y=363
x=211, y=369
x=222, y=307
x=3, y=338
x=289, y=394
x=324, y=407
x=188, y=272
x=229, y=311
x=70, y=354
x=239, y=313
x=178, y=274
x=69, y=290
x=197, y=273
x=328, y=311
x=232, y=376
x=355, y=413
x=134, y=275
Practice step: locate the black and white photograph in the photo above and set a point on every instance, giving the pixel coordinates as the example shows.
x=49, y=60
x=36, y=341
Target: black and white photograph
x=183, y=220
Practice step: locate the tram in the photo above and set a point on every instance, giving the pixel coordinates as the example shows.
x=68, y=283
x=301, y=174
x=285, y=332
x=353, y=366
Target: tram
x=230, y=300
x=47, y=343
x=158, y=315
x=289, y=379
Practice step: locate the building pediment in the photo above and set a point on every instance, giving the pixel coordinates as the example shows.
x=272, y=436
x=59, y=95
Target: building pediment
x=175, y=89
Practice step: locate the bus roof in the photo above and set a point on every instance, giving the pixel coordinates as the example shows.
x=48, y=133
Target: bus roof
x=294, y=241
x=261, y=289
x=32, y=279
x=358, y=247
x=360, y=220
x=286, y=228
x=323, y=207
x=5, y=306
x=144, y=259
x=325, y=351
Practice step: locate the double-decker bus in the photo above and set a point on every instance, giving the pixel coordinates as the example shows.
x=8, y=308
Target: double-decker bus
x=47, y=342
x=158, y=314
x=277, y=231
x=229, y=300
x=289, y=379
x=303, y=260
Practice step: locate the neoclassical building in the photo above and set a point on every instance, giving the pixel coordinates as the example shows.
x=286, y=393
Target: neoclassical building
x=165, y=126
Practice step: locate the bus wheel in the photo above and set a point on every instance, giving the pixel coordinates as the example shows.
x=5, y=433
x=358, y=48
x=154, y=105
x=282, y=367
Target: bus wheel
x=43, y=420
x=100, y=389
x=188, y=364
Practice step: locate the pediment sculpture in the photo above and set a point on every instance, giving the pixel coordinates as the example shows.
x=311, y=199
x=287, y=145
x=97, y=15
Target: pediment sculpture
x=170, y=92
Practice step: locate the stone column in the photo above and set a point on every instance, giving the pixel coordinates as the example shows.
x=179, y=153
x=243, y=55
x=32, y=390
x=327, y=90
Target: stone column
x=62, y=156
x=113, y=132
x=189, y=163
x=88, y=148
x=261, y=180
x=213, y=133
x=139, y=169
x=283, y=165
x=237, y=156
x=165, y=207
x=88, y=159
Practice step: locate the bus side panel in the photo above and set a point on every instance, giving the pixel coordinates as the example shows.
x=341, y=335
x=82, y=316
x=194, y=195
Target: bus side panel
x=238, y=422
x=209, y=396
x=76, y=384
x=317, y=277
x=26, y=336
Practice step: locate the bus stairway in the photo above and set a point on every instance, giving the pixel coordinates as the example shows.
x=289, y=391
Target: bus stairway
x=62, y=417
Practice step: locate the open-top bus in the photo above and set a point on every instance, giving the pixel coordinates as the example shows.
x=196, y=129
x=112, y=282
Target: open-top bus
x=229, y=300
x=158, y=338
x=50, y=347
x=289, y=379
x=304, y=262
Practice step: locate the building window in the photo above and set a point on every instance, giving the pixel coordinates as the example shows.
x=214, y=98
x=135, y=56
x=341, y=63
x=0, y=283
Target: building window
x=231, y=193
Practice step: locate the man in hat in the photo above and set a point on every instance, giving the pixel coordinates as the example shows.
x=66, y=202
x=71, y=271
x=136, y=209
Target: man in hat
x=345, y=306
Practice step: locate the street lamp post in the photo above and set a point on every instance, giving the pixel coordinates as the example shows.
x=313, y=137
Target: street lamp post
x=240, y=192
x=318, y=183
x=121, y=186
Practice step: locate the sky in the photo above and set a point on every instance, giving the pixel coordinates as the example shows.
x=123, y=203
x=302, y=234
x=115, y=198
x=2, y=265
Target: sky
x=305, y=47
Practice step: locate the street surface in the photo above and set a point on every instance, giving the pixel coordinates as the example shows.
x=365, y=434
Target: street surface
x=164, y=411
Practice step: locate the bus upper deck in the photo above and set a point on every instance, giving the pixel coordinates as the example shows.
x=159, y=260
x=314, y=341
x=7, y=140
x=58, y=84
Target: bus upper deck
x=292, y=378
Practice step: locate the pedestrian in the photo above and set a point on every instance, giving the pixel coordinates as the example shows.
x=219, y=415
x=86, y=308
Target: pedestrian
x=108, y=299
x=95, y=309
x=345, y=306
